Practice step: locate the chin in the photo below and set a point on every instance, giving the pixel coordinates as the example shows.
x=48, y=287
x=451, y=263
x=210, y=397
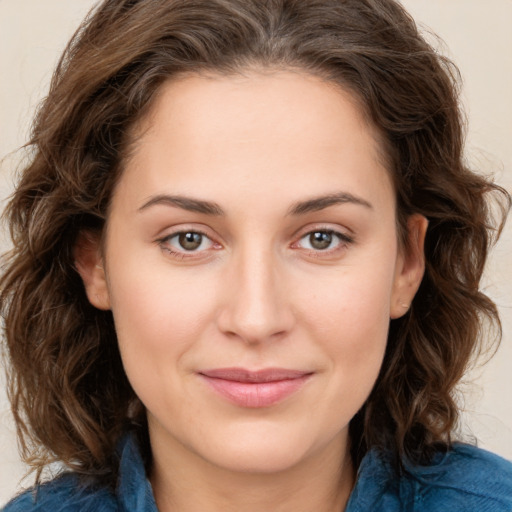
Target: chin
x=264, y=450
x=263, y=458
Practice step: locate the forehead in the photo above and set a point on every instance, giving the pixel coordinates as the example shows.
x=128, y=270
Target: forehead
x=284, y=129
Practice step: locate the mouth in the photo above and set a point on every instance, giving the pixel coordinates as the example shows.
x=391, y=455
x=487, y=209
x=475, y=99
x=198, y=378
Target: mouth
x=254, y=389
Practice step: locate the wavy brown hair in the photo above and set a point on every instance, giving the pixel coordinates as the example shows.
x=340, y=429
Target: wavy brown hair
x=70, y=396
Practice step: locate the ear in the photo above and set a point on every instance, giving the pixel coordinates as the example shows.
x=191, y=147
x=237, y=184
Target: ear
x=410, y=266
x=89, y=264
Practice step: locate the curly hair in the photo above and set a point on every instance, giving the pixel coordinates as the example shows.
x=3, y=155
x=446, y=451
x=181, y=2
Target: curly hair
x=70, y=397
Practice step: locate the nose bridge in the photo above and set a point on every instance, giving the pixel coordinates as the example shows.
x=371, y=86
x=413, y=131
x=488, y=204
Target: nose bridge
x=256, y=308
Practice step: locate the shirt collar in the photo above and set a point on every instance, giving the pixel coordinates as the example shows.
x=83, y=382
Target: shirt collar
x=134, y=492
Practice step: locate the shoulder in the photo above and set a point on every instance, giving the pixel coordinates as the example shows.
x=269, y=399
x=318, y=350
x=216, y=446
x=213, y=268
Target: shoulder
x=470, y=478
x=64, y=494
x=465, y=479
x=69, y=493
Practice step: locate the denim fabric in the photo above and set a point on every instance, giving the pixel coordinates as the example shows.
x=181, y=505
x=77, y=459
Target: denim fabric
x=467, y=479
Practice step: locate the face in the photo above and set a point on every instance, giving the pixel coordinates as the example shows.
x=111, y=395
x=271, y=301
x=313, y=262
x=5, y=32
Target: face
x=252, y=266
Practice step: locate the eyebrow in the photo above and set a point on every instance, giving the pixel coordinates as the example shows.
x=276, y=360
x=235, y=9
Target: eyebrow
x=320, y=203
x=210, y=208
x=185, y=203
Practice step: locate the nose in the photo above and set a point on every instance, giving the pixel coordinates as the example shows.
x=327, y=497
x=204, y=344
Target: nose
x=257, y=306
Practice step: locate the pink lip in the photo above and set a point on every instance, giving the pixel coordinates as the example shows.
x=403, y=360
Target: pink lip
x=261, y=388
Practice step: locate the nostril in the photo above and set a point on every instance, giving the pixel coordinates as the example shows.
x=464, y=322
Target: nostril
x=255, y=326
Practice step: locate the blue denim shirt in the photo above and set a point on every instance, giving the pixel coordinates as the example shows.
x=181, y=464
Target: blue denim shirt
x=467, y=479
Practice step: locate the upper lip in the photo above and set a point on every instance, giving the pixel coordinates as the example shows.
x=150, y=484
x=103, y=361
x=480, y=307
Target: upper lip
x=264, y=375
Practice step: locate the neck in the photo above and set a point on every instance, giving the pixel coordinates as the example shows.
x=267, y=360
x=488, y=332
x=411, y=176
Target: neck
x=319, y=483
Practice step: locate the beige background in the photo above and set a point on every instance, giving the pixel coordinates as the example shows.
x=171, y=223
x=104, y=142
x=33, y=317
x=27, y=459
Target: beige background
x=477, y=35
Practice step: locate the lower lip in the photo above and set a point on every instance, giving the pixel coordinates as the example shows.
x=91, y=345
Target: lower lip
x=256, y=394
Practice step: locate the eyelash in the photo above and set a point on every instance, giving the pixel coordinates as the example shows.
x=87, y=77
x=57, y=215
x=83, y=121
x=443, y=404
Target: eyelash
x=164, y=243
x=343, y=241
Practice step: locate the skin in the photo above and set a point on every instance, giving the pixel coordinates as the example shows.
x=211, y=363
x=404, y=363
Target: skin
x=256, y=293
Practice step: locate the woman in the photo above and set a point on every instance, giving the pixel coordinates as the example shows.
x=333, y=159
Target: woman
x=246, y=265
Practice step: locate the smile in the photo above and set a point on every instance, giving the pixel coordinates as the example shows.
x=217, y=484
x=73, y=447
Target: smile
x=254, y=389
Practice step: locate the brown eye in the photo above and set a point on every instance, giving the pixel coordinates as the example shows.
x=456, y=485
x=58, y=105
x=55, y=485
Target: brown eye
x=192, y=244
x=190, y=241
x=320, y=240
x=324, y=241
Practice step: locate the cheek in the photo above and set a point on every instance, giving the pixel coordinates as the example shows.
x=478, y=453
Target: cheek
x=354, y=299
x=159, y=316
x=349, y=316
x=154, y=298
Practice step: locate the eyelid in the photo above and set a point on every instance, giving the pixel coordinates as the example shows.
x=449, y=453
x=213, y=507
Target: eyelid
x=345, y=240
x=162, y=242
x=187, y=227
x=343, y=232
